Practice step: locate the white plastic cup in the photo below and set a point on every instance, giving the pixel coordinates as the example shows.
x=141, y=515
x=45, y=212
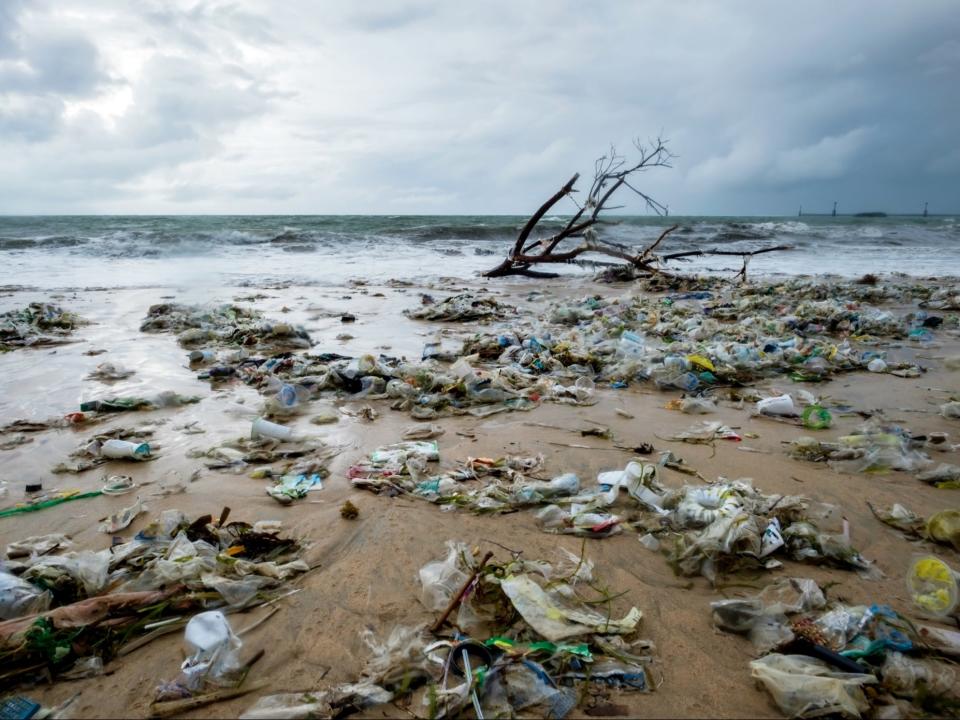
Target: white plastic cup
x=265, y=428
x=782, y=405
x=124, y=449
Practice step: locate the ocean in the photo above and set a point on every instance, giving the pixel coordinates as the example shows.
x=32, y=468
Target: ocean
x=58, y=252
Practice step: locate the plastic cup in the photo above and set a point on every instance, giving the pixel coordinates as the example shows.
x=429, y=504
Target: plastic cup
x=781, y=405
x=265, y=428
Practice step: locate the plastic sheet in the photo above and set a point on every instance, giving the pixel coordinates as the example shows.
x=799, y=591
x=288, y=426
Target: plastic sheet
x=805, y=687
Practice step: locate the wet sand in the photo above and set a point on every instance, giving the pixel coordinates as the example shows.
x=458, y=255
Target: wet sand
x=368, y=567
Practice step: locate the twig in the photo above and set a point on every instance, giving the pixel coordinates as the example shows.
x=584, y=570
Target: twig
x=177, y=707
x=455, y=600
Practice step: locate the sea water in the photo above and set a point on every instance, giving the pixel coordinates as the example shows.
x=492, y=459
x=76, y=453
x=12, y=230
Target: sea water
x=47, y=252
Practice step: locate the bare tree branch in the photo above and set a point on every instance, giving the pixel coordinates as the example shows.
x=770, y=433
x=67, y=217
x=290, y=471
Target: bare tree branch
x=611, y=173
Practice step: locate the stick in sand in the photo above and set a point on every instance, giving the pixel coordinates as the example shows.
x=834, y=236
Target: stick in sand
x=455, y=600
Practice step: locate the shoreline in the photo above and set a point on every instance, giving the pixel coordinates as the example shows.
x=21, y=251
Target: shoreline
x=313, y=641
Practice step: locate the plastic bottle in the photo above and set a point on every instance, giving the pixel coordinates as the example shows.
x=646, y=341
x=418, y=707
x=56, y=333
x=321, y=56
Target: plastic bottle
x=688, y=382
x=123, y=449
x=198, y=356
x=631, y=344
x=677, y=363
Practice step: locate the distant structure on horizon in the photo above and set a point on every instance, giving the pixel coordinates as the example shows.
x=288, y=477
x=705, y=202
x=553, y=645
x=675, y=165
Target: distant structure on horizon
x=869, y=214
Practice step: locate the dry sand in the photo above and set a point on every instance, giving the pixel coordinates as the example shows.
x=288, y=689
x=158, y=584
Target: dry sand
x=368, y=572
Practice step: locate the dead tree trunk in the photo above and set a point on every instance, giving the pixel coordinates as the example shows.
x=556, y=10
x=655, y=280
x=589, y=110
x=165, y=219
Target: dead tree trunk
x=611, y=173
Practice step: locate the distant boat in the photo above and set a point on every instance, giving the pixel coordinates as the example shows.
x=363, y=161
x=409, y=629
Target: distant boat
x=871, y=214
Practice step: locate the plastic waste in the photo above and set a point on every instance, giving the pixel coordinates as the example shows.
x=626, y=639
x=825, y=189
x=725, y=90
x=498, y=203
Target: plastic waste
x=877, y=365
x=264, y=428
x=631, y=344
x=19, y=597
x=584, y=389
x=38, y=545
x=932, y=585
x=114, y=448
x=943, y=527
x=122, y=519
x=87, y=667
x=201, y=356
x=909, y=676
x=816, y=417
x=805, y=687
x=214, y=650
x=440, y=579
x=781, y=405
x=697, y=406
x=951, y=409
x=943, y=473
x=556, y=621
x=294, y=486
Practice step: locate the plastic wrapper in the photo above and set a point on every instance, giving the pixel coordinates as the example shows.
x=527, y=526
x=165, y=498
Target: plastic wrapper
x=805, y=687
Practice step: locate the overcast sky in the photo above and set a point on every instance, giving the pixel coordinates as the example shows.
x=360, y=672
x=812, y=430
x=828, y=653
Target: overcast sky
x=301, y=106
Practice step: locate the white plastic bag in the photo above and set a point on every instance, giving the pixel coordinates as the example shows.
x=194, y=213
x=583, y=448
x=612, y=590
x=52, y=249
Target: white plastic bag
x=806, y=687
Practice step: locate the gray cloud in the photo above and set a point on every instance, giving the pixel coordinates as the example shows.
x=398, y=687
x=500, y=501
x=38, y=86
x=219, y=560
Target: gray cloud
x=432, y=107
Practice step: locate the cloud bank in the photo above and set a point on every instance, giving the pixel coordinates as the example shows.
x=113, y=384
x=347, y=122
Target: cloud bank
x=430, y=107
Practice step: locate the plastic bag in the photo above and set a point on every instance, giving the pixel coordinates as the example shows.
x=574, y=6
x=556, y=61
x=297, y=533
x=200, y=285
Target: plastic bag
x=555, y=622
x=214, y=650
x=943, y=527
x=806, y=687
x=19, y=598
x=442, y=578
x=697, y=406
x=906, y=676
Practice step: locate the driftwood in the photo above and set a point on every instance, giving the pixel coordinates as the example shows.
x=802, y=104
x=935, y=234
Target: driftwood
x=611, y=173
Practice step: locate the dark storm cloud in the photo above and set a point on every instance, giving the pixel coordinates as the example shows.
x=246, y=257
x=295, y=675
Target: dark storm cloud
x=253, y=106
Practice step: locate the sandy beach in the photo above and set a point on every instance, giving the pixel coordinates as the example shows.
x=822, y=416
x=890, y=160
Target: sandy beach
x=366, y=569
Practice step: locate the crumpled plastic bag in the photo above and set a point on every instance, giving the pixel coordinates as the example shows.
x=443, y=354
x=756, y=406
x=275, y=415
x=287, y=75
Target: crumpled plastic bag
x=805, y=687
x=544, y=613
x=440, y=579
x=38, y=545
x=944, y=527
x=19, y=598
x=763, y=617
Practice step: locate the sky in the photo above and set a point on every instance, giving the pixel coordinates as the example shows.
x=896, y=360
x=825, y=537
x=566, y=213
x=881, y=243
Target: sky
x=432, y=107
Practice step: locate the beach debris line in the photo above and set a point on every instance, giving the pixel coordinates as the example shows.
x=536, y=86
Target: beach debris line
x=59, y=610
x=820, y=657
x=465, y=306
x=223, y=326
x=531, y=637
x=37, y=325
